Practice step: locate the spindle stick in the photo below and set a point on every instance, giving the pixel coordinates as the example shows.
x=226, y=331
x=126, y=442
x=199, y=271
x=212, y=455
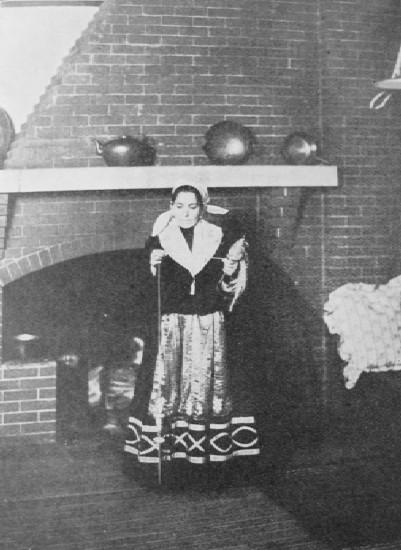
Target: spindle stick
x=159, y=417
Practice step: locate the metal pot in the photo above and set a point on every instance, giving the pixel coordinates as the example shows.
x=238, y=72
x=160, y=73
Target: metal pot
x=7, y=133
x=127, y=151
x=228, y=142
x=300, y=148
x=23, y=342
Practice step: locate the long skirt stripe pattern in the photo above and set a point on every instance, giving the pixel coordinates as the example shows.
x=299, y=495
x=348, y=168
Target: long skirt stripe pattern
x=191, y=394
x=196, y=443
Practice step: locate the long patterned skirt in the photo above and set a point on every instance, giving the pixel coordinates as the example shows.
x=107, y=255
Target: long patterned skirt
x=190, y=414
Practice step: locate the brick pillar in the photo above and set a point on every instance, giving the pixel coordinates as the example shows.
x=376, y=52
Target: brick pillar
x=28, y=400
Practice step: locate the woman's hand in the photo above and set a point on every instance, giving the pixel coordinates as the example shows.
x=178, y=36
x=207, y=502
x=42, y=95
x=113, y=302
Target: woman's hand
x=156, y=258
x=229, y=266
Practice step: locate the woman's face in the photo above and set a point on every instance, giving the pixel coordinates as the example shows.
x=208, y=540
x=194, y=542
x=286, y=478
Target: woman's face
x=186, y=209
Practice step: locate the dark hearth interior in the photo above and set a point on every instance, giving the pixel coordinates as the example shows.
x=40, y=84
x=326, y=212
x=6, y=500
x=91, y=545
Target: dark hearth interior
x=89, y=305
x=85, y=312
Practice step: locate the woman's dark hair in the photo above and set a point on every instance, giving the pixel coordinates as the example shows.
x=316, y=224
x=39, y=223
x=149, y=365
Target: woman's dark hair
x=187, y=189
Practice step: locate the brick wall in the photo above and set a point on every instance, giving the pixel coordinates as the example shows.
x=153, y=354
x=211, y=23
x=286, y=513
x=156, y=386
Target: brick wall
x=28, y=400
x=360, y=42
x=359, y=45
x=169, y=69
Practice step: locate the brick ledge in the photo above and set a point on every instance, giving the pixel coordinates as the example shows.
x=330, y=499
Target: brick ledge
x=161, y=177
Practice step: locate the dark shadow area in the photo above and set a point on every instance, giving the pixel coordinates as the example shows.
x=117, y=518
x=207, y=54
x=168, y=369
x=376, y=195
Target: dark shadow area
x=88, y=305
x=335, y=468
x=274, y=369
x=353, y=498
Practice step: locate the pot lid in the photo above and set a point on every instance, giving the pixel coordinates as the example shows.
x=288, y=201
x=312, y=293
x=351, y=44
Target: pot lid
x=25, y=337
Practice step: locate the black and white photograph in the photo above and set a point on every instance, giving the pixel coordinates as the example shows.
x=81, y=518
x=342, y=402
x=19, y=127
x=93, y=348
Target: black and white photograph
x=200, y=275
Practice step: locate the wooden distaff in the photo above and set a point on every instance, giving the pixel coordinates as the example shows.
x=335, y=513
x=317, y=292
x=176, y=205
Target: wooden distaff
x=238, y=253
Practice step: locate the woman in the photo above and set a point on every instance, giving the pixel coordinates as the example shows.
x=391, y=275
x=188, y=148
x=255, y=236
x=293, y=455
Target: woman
x=188, y=413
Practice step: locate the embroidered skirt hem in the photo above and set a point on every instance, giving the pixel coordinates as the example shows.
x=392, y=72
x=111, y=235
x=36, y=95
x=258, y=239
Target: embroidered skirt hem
x=196, y=442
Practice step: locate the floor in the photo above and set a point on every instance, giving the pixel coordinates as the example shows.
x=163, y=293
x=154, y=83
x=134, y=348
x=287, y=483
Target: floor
x=343, y=493
x=76, y=497
x=79, y=497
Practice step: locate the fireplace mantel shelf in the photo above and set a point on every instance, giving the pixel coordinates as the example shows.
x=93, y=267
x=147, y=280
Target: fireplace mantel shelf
x=161, y=177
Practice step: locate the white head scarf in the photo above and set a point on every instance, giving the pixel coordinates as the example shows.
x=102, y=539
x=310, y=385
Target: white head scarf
x=165, y=218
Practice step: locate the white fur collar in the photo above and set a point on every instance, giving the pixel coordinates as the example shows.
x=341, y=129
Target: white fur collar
x=206, y=241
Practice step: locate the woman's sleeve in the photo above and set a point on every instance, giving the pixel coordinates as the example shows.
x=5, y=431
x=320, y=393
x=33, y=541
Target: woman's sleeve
x=152, y=243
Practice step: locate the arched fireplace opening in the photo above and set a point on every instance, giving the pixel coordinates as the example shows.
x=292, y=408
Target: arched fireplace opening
x=85, y=314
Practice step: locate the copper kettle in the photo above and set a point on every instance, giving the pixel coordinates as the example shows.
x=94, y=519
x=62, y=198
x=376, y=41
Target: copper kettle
x=127, y=151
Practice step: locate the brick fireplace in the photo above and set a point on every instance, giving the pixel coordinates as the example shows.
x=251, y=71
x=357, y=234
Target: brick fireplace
x=169, y=69
x=97, y=210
